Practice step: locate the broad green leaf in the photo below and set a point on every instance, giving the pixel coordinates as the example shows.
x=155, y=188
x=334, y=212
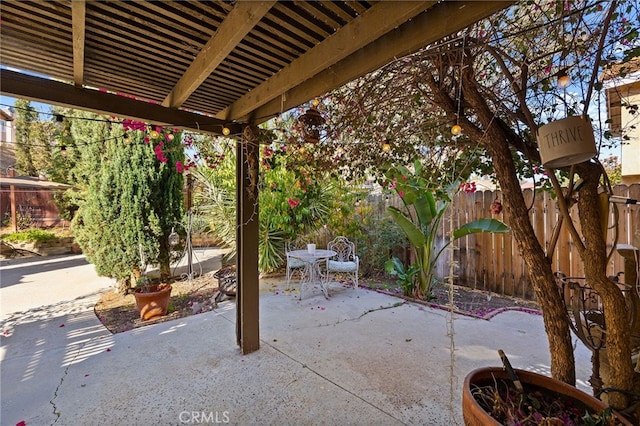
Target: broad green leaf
x=481, y=225
x=425, y=209
x=418, y=167
x=415, y=236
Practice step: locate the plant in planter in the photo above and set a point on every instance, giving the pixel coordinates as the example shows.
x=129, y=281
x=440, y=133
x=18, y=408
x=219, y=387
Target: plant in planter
x=152, y=298
x=133, y=201
x=507, y=396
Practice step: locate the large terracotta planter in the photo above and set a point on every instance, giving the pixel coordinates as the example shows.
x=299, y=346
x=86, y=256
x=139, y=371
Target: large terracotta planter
x=474, y=415
x=153, y=304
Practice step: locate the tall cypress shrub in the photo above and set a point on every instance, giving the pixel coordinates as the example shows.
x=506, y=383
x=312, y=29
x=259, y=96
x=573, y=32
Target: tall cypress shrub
x=132, y=204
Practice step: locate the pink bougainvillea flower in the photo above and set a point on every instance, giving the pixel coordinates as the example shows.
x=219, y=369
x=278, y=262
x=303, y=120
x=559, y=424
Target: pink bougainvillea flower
x=293, y=202
x=21, y=423
x=267, y=152
x=179, y=167
x=400, y=194
x=159, y=153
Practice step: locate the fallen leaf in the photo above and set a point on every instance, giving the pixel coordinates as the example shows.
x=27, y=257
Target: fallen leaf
x=61, y=325
x=108, y=349
x=21, y=423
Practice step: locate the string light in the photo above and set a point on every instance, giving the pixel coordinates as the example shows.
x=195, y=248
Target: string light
x=386, y=147
x=226, y=131
x=563, y=79
x=456, y=129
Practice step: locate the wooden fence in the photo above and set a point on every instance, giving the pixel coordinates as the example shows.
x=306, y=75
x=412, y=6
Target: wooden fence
x=492, y=262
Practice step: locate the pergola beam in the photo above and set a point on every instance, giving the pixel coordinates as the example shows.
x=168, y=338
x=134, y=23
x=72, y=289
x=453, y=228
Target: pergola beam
x=242, y=18
x=440, y=20
x=58, y=93
x=370, y=26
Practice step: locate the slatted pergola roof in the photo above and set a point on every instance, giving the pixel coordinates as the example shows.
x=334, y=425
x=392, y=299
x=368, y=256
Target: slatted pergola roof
x=211, y=62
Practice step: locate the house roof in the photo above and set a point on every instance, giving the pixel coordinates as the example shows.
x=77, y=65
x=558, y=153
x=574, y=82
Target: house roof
x=205, y=64
x=31, y=182
x=621, y=81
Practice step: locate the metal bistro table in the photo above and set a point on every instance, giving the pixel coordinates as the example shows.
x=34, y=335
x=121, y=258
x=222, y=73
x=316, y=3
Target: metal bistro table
x=312, y=274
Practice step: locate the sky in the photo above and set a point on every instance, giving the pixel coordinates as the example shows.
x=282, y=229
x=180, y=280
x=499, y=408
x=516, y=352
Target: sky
x=7, y=101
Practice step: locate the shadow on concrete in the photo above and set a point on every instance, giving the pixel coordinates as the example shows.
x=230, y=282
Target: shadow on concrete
x=13, y=271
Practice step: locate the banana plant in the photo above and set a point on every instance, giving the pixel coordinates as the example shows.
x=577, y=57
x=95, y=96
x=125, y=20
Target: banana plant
x=421, y=219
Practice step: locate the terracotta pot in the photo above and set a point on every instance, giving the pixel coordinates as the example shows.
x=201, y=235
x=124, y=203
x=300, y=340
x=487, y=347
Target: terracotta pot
x=153, y=304
x=474, y=415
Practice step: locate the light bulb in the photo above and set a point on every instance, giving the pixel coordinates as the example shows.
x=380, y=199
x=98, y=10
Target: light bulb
x=456, y=130
x=316, y=102
x=154, y=134
x=386, y=147
x=340, y=150
x=226, y=131
x=563, y=79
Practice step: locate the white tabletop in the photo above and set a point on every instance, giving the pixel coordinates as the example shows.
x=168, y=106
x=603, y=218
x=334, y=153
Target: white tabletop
x=305, y=255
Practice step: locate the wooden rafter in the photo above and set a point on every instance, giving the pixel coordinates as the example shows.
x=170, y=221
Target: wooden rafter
x=369, y=26
x=234, y=28
x=78, y=13
x=441, y=20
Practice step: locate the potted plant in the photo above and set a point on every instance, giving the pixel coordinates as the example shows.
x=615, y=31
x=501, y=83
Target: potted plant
x=498, y=396
x=152, y=297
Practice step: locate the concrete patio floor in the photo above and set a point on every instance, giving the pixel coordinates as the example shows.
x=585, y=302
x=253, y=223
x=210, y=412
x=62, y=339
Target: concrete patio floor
x=358, y=358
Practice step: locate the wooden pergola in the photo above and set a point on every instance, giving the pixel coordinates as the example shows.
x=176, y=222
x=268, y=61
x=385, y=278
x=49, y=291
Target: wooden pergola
x=205, y=65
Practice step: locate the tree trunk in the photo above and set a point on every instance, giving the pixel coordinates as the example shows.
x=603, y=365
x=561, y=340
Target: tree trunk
x=556, y=322
x=618, y=335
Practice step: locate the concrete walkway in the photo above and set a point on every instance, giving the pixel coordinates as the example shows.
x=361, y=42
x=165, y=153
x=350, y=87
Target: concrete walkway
x=359, y=358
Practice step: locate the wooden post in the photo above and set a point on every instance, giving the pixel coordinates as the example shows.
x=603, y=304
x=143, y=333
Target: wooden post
x=247, y=293
x=12, y=201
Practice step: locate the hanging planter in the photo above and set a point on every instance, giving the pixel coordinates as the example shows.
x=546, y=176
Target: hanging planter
x=312, y=124
x=566, y=142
